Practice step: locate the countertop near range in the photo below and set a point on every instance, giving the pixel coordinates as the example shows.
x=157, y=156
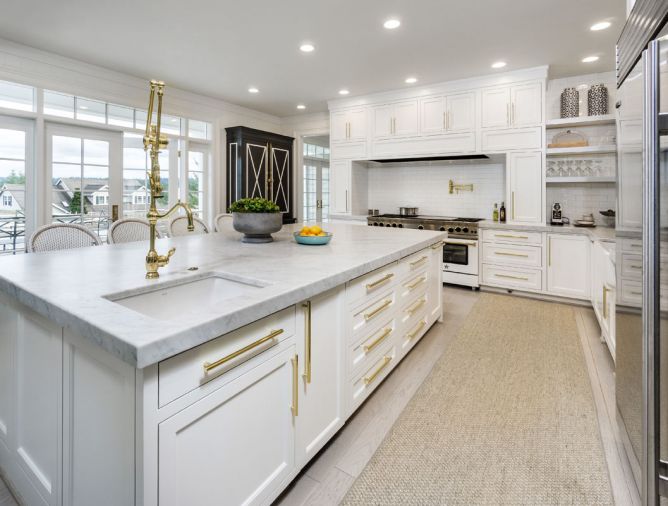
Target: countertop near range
x=596, y=234
x=69, y=287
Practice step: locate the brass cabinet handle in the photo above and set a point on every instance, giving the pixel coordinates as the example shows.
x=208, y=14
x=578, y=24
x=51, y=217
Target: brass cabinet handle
x=368, y=347
x=636, y=293
x=379, y=282
x=508, y=113
x=378, y=310
x=635, y=266
x=506, y=254
x=418, y=262
x=549, y=252
x=374, y=375
x=437, y=245
x=416, y=284
x=512, y=197
x=417, y=330
x=307, y=343
x=295, y=385
x=510, y=236
x=445, y=121
x=208, y=366
x=605, y=302
x=521, y=278
x=416, y=306
x=512, y=114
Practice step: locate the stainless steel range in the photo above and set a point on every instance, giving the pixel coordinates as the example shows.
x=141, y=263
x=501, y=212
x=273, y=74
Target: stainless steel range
x=460, y=249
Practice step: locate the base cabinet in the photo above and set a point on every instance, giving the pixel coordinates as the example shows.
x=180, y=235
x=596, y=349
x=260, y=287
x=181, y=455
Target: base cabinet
x=236, y=445
x=568, y=265
x=604, y=293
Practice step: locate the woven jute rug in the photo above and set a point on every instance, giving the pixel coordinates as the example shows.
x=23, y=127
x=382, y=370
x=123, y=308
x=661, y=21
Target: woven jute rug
x=505, y=417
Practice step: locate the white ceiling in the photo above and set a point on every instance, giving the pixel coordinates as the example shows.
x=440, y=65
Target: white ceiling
x=220, y=48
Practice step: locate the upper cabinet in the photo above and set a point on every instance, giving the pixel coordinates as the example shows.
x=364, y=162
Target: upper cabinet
x=348, y=125
x=399, y=119
x=453, y=113
x=513, y=106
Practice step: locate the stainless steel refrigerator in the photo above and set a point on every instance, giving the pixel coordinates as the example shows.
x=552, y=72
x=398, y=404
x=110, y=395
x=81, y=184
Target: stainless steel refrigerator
x=641, y=375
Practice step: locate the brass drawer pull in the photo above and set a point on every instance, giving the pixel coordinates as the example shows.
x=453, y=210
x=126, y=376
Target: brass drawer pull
x=505, y=254
x=377, y=341
x=418, y=262
x=521, y=278
x=416, y=306
x=382, y=280
x=509, y=236
x=420, y=326
x=635, y=266
x=208, y=366
x=378, y=310
x=437, y=245
x=636, y=293
x=295, y=385
x=417, y=283
x=307, y=343
x=374, y=375
x=605, y=302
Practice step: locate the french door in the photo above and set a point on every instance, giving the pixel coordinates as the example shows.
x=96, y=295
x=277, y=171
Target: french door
x=84, y=176
x=316, y=190
x=17, y=183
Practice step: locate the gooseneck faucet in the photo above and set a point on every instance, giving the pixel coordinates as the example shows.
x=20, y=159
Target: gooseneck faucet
x=155, y=141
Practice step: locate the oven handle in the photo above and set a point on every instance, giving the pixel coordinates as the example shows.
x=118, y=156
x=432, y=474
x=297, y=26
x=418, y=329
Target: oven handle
x=461, y=241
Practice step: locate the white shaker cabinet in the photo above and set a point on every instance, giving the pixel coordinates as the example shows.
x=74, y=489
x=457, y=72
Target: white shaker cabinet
x=496, y=108
x=348, y=125
x=453, y=113
x=340, y=177
x=236, y=445
x=322, y=373
x=399, y=119
x=568, y=265
x=525, y=187
x=604, y=293
x=513, y=106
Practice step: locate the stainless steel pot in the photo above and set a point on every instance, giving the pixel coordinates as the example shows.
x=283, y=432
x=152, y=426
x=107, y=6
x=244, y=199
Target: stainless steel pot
x=408, y=211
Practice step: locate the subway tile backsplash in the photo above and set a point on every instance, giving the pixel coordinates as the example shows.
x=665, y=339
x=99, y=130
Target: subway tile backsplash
x=426, y=187
x=579, y=199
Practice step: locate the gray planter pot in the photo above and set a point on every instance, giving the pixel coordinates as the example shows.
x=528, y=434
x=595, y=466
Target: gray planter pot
x=257, y=227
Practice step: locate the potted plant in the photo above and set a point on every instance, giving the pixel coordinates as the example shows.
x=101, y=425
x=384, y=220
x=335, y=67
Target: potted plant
x=257, y=219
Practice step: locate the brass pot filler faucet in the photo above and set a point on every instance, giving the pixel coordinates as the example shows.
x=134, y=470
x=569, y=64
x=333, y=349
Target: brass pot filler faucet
x=154, y=140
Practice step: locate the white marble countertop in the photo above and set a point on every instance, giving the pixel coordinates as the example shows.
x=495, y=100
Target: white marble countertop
x=349, y=217
x=68, y=287
x=606, y=234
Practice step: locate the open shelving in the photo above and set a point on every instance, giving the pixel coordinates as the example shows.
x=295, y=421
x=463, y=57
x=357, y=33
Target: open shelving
x=580, y=179
x=583, y=150
x=605, y=119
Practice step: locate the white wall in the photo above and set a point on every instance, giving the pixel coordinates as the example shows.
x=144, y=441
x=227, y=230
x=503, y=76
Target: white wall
x=427, y=188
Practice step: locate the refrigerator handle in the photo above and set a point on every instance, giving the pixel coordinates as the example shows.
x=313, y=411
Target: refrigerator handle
x=654, y=472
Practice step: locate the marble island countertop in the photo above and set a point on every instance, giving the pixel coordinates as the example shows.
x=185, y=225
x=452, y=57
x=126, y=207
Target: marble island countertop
x=73, y=288
x=598, y=233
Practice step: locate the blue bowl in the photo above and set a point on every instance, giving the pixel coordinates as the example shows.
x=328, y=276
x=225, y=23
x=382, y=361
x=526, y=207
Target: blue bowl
x=313, y=240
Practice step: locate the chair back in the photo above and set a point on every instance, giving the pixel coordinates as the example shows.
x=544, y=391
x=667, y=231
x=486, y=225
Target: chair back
x=223, y=222
x=59, y=236
x=179, y=226
x=129, y=230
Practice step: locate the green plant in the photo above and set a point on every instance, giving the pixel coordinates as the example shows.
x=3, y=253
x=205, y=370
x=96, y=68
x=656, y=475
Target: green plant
x=254, y=206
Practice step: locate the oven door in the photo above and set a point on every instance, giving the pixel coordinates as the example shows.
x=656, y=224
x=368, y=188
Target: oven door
x=460, y=255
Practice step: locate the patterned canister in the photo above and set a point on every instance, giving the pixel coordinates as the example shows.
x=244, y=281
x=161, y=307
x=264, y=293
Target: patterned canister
x=570, y=103
x=597, y=100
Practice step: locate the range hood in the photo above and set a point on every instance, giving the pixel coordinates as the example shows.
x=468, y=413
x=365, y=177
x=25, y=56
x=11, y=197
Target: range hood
x=475, y=159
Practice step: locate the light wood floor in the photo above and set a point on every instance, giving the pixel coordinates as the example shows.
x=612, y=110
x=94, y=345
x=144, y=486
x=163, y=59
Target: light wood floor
x=329, y=476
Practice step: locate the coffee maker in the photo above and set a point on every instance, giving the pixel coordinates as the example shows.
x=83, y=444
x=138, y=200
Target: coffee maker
x=557, y=219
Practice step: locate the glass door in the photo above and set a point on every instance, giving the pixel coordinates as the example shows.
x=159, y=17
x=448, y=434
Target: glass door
x=316, y=183
x=84, y=168
x=17, y=216
x=197, y=171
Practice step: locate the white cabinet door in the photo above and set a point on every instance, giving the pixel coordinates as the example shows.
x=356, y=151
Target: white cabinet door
x=357, y=125
x=526, y=105
x=383, y=121
x=432, y=115
x=406, y=118
x=339, y=180
x=461, y=112
x=525, y=177
x=234, y=446
x=321, y=349
x=435, y=290
x=496, y=108
x=568, y=265
x=629, y=199
x=339, y=126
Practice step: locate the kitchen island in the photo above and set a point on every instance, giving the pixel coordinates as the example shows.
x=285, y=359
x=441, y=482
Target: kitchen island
x=216, y=383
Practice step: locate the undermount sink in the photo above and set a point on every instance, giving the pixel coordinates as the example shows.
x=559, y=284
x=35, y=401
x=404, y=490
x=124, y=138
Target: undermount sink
x=200, y=295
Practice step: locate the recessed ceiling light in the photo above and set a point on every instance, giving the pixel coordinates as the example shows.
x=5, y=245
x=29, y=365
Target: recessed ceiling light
x=499, y=65
x=343, y=92
x=589, y=59
x=253, y=89
x=411, y=80
x=391, y=24
x=301, y=106
x=306, y=48
x=602, y=25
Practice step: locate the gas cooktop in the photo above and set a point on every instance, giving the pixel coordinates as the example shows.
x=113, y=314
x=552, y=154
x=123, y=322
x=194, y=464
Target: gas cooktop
x=456, y=227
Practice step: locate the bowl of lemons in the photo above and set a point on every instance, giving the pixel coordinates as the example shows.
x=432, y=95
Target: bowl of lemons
x=312, y=236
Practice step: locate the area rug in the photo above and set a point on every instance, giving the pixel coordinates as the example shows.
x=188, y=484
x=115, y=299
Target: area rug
x=505, y=417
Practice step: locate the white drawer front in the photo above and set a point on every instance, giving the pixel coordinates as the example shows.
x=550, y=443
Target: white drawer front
x=512, y=236
x=365, y=350
x=370, y=315
x=413, y=333
x=366, y=287
x=349, y=150
x=631, y=266
x=511, y=277
x=631, y=293
x=414, y=284
x=511, y=254
x=512, y=138
x=415, y=262
x=632, y=245
x=185, y=372
x=371, y=376
x=412, y=310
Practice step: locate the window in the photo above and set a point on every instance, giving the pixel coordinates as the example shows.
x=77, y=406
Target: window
x=17, y=96
x=197, y=162
x=199, y=129
x=118, y=115
x=91, y=110
x=7, y=200
x=58, y=104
